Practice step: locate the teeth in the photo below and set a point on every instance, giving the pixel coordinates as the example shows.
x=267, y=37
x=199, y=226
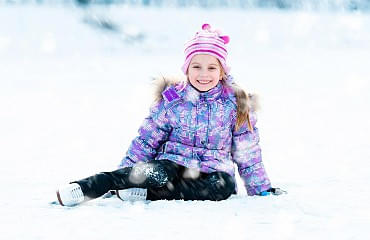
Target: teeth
x=204, y=82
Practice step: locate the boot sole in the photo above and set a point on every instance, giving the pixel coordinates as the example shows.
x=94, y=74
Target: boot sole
x=59, y=199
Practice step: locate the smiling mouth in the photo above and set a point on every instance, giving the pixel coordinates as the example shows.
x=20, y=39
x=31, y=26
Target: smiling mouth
x=204, y=82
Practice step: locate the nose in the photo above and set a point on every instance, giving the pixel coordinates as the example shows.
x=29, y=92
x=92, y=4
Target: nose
x=203, y=72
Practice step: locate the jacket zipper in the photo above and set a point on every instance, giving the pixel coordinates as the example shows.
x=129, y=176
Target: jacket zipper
x=208, y=112
x=196, y=130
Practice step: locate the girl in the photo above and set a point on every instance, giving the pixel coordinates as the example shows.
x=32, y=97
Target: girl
x=186, y=149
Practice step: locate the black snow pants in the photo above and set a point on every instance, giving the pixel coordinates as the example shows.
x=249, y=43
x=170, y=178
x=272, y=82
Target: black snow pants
x=163, y=179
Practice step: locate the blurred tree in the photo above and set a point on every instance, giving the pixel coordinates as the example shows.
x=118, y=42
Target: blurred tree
x=83, y=2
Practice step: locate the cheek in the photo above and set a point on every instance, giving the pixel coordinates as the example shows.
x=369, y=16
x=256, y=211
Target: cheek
x=217, y=75
x=191, y=76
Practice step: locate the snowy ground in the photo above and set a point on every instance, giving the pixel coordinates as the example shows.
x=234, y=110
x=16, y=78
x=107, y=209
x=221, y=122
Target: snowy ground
x=72, y=96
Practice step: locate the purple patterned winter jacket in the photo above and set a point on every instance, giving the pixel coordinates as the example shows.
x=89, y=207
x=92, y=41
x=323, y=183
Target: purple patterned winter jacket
x=197, y=130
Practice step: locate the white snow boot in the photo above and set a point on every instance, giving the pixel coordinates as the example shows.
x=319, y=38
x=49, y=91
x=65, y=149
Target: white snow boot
x=70, y=195
x=132, y=194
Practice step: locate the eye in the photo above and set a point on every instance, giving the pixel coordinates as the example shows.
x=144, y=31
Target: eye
x=211, y=68
x=196, y=67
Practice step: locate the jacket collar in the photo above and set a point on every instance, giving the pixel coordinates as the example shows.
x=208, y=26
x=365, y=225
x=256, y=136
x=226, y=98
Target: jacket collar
x=244, y=102
x=194, y=96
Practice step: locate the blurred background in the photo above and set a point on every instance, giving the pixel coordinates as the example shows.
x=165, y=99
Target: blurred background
x=75, y=85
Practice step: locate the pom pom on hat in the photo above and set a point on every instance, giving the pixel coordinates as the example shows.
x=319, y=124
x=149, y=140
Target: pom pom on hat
x=206, y=26
x=226, y=39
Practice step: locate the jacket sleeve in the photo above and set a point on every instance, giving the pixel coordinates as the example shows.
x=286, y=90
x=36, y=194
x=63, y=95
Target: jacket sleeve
x=153, y=132
x=246, y=153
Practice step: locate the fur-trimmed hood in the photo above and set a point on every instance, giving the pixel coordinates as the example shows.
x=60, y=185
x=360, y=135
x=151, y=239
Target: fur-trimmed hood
x=245, y=102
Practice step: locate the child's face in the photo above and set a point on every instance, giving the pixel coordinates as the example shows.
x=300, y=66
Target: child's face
x=204, y=72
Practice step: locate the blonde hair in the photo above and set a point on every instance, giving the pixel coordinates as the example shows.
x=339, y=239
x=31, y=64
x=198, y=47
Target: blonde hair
x=242, y=99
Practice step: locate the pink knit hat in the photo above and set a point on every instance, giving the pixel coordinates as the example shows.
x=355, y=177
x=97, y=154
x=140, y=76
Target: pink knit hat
x=208, y=42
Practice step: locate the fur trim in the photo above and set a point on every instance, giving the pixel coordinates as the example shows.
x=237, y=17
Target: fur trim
x=245, y=102
x=254, y=102
x=161, y=83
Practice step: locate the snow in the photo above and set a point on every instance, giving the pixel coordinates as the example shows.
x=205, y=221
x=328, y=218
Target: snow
x=73, y=94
